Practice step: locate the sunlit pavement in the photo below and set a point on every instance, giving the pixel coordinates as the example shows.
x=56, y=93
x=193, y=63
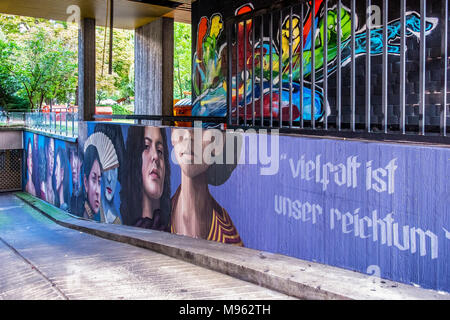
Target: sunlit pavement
x=42, y=260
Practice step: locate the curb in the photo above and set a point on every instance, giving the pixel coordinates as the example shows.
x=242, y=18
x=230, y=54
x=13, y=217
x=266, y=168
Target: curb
x=294, y=277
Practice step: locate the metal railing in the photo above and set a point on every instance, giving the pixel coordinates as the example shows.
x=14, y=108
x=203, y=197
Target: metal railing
x=61, y=123
x=167, y=120
x=277, y=79
x=58, y=123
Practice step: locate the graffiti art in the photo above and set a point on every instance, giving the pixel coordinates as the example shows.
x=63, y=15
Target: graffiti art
x=210, y=63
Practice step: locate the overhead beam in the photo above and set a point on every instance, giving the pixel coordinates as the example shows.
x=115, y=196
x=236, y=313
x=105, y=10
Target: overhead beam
x=128, y=14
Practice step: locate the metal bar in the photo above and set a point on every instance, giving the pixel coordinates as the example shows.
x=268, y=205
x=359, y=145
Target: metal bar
x=338, y=71
x=363, y=135
x=325, y=65
x=302, y=84
x=368, y=66
x=313, y=64
x=402, y=66
x=280, y=70
x=163, y=118
x=353, y=69
x=385, y=65
x=271, y=67
x=237, y=74
x=290, y=67
x=423, y=13
x=253, y=72
x=245, y=73
x=66, y=122
x=445, y=71
x=261, y=63
x=230, y=74
x=73, y=124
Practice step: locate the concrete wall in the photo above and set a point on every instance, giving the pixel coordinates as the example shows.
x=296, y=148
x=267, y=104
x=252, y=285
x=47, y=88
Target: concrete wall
x=11, y=139
x=363, y=206
x=154, y=68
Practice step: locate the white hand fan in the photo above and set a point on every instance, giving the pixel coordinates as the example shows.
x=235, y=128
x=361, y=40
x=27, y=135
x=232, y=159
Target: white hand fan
x=105, y=148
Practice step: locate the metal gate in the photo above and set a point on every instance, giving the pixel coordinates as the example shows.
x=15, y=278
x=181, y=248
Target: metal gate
x=11, y=170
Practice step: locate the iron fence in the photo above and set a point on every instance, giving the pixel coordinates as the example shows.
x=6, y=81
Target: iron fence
x=368, y=80
x=60, y=123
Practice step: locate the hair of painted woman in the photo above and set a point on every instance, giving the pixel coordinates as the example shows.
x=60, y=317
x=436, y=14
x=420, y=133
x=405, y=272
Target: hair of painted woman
x=131, y=193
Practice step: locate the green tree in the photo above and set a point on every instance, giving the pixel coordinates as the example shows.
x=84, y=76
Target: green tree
x=8, y=84
x=44, y=68
x=182, y=60
x=42, y=58
x=120, y=84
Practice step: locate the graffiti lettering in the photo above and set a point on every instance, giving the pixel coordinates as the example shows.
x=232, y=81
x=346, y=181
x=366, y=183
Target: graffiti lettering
x=295, y=209
x=343, y=174
x=386, y=231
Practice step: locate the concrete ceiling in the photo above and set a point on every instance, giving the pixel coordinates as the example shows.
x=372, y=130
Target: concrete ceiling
x=127, y=14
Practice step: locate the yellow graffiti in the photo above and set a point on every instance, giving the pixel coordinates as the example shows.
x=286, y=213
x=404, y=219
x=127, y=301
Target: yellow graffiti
x=216, y=26
x=286, y=35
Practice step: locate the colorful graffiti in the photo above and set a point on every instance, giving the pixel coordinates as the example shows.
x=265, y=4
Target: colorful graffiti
x=47, y=171
x=344, y=203
x=122, y=175
x=210, y=63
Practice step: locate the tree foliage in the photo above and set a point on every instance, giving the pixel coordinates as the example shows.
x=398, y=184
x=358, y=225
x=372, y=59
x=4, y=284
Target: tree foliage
x=120, y=84
x=182, y=60
x=40, y=57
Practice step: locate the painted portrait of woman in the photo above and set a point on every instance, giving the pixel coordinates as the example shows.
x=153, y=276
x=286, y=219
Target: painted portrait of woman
x=48, y=194
x=92, y=183
x=42, y=174
x=60, y=180
x=112, y=177
x=35, y=163
x=195, y=213
x=145, y=191
x=29, y=187
x=75, y=157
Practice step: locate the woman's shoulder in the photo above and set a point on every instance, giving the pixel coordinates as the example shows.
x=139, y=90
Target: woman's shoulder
x=222, y=227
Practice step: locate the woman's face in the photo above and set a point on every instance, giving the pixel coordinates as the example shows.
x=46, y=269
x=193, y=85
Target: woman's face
x=191, y=163
x=30, y=159
x=59, y=172
x=92, y=184
x=153, y=166
x=75, y=164
x=50, y=157
x=110, y=182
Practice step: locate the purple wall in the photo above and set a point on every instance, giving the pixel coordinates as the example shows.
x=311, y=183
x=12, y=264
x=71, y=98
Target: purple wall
x=369, y=206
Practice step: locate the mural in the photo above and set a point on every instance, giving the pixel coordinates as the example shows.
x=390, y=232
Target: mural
x=195, y=212
x=122, y=175
x=210, y=61
x=47, y=173
x=349, y=204
x=146, y=185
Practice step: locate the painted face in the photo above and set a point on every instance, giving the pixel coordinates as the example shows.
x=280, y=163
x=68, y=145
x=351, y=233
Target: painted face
x=93, y=186
x=50, y=157
x=191, y=164
x=75, y=164
x=59, y=172
x=30, y=159
x=153, y=167
x=110, y=182
x=35, y=141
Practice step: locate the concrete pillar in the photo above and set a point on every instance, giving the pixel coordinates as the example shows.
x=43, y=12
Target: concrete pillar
x=154, y=68
x=86, y=69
